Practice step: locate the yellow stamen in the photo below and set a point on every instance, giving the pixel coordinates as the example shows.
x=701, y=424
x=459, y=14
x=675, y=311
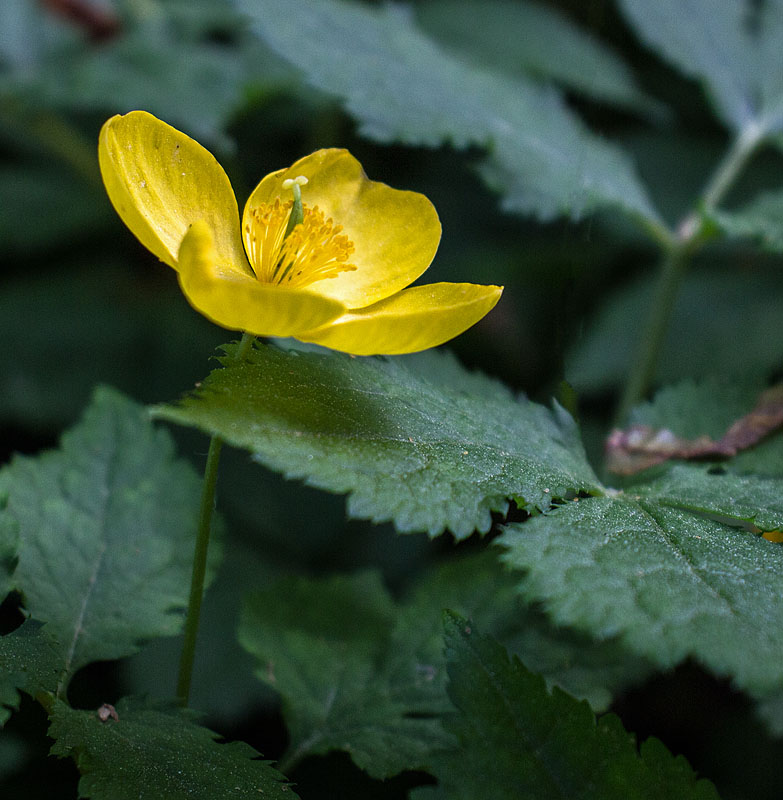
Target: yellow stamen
x=313, y=250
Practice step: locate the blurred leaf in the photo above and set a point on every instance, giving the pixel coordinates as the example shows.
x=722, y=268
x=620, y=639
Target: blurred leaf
x=735, y=48
x=402, y=87
x=9, y=547
x=30, y=661
x=324, y=648
x=100, y=325
x=669, y=582
x=518, y=740
x=760, y=220
x=189, y=63
x=533, y=40
x=106, y=529
x=424, y=455
x=706, y=407
x=641, y=446
x=721, y=323
x=161, y=754
x=43, y=207
x=361, y=673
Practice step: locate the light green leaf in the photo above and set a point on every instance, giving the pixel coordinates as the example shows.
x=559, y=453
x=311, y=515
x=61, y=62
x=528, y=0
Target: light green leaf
x=401, y=86
x=721, y=321
x=668, y=583
x=424, y=455
x=735, y=48
x=535, y=41
x=516, y=739
x=750, y=500
x=148, y=752
x=360, y=673
x=761, y=220
x=30, y=661
x=106, y=528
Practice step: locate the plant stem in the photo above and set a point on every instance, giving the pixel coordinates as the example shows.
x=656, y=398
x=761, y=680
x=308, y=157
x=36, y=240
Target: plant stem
x=654, y=331
x=201, y=551
x=676, y=256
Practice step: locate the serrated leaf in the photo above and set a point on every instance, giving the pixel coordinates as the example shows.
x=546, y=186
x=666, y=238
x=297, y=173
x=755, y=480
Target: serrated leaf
x=149, y=752
x=30, y=661
x=751, y=499
x=735, y=48
x=538, y=42
x=106, y=528
x=760, y=220
x=426, y=456
x=360, y=673
x=709, y=333
x=518, y=740
x=324, y=650
x=667, y=582
x=401, y=86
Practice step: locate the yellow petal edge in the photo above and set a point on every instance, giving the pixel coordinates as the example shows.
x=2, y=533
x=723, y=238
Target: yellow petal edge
x=414, y=319
x=160, y=181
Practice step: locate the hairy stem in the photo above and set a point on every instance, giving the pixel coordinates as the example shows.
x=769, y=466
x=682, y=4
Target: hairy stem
x=201, y=552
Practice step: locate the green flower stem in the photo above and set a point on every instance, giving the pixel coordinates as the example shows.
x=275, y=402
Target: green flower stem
x=198, y=575
x=677, y=251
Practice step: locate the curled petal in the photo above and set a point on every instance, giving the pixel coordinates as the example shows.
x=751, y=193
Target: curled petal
x=160, y=181
x=232, y=298
x=395, y=233
x=412, y=320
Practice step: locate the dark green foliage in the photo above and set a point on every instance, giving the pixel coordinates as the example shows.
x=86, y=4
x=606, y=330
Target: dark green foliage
x=401, y=87
x=358, y=672
x=540, y=744
x=106, y=525
x=623, y=134
x=373, y=426
x=163, y=753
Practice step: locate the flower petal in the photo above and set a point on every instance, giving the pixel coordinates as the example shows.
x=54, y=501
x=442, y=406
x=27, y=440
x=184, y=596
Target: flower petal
x=395, y=233
x=160, y=181
x=236, y=300
x=412, y=320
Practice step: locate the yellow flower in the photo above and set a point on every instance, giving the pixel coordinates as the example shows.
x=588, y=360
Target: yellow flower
x=337, y=278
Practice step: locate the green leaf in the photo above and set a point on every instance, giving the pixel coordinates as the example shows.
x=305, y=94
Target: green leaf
x=360, y=673
x=401, y=86
x=733, y=47
x=760, y=220
x=425, y=456
x=9, y=545
x=106, y=528
x=323, y=649
x=710, y=407
x=669, y=583
x=751, y=500
x=516, y=739
x=30, y=661
x=538, y=42
x=148, y=752
x=167, y=62
x=721, y=322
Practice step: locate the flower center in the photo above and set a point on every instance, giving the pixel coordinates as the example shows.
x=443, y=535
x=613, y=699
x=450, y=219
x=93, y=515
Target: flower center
x=295, y=252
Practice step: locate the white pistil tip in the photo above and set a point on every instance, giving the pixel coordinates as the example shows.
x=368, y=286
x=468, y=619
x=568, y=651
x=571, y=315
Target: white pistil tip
x=299, y=179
